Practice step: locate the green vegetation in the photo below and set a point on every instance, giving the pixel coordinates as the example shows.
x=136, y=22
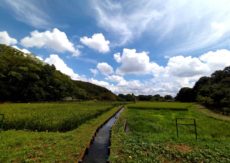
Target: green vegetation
x=151, y=135
x=25, y=78
x=213, y=92
x=51, y=116
x=27, y=146
x=132, y=97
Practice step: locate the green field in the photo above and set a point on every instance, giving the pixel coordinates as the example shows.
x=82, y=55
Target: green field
x=151, y=135
x=51, y=116
x=34, y=132
x=46, y=146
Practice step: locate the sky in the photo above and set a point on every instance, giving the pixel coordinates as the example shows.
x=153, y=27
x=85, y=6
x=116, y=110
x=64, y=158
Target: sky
x=135, y=46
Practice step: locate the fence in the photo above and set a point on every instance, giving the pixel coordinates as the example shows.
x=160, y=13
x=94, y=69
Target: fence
x=182, y=122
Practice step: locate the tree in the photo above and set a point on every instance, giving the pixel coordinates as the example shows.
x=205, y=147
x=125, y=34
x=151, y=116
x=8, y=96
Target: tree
x=168, y=97
x=185, y=95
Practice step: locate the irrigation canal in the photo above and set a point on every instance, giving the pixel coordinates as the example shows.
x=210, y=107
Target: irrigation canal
x=98, y=151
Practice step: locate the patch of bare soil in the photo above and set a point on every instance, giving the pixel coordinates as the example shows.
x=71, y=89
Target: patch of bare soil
x=182, y=148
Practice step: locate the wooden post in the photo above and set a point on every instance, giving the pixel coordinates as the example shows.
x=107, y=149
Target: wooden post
x=1, y=121
x=186, y=124
x=195, y=128
x=125, y=125
x=177, y=129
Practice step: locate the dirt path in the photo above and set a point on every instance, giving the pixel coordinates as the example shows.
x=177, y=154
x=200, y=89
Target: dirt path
x=210, y=113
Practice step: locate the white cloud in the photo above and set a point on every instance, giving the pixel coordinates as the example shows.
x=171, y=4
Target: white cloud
x=117, y=57
x=105, y=68
x=126, y=19
x=216, y=59
x=6, y=39
x=133, y=62
x=186, y=66
x=55, y=40
x=94, y=71
x=29, y=12
x=179, y=72
x=60, y=65
x=195, y=24
x=102, y=83
x=40, y=58
x=183, y=71
x=115, y=78
x=22, y=50
x=96, y=42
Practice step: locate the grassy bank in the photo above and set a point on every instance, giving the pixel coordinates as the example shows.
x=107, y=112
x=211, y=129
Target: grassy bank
x=151, y=135
x=28, y=146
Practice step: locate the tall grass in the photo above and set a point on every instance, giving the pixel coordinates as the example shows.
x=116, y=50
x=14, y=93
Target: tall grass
x=51, y=116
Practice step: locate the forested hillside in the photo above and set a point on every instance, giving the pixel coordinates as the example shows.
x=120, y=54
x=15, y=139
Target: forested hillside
x=213, y=91
x=25, y=78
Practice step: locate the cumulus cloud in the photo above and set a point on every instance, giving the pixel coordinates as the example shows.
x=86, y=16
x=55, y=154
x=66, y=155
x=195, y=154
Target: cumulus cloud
x=180, y=71
x=105, y=68
x=55, y=40
x=186, y=66
x=22, y=50
x=117, y=57
x=216, y=59
x=96, y=42
x=115, y=78
x=183, y=71
x=60, y=65
x=6, y=39
x=133, y=62
x=102, y=83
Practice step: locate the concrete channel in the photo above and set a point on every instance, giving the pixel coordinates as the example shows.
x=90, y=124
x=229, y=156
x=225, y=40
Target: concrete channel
x=99, y=148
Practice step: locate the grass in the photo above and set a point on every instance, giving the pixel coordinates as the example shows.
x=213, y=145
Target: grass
x=30, y=146
x=51, y=116
x=152, y=135
x=213, y=114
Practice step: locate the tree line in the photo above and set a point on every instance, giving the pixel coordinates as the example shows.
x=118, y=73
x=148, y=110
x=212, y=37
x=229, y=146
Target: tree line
x=213, y=91
x=132, y=97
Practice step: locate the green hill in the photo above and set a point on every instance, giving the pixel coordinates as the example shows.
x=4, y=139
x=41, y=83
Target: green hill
x=25, y=78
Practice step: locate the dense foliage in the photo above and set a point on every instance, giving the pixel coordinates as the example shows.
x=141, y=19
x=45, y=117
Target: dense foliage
x=23, y=78
x=132, y=97
x=213, y=91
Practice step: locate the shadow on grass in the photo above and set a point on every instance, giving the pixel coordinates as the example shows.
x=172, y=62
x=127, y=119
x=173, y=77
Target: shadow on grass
x=160, y=109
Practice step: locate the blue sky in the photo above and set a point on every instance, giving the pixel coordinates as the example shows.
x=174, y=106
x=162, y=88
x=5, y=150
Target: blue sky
x=141, y=47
